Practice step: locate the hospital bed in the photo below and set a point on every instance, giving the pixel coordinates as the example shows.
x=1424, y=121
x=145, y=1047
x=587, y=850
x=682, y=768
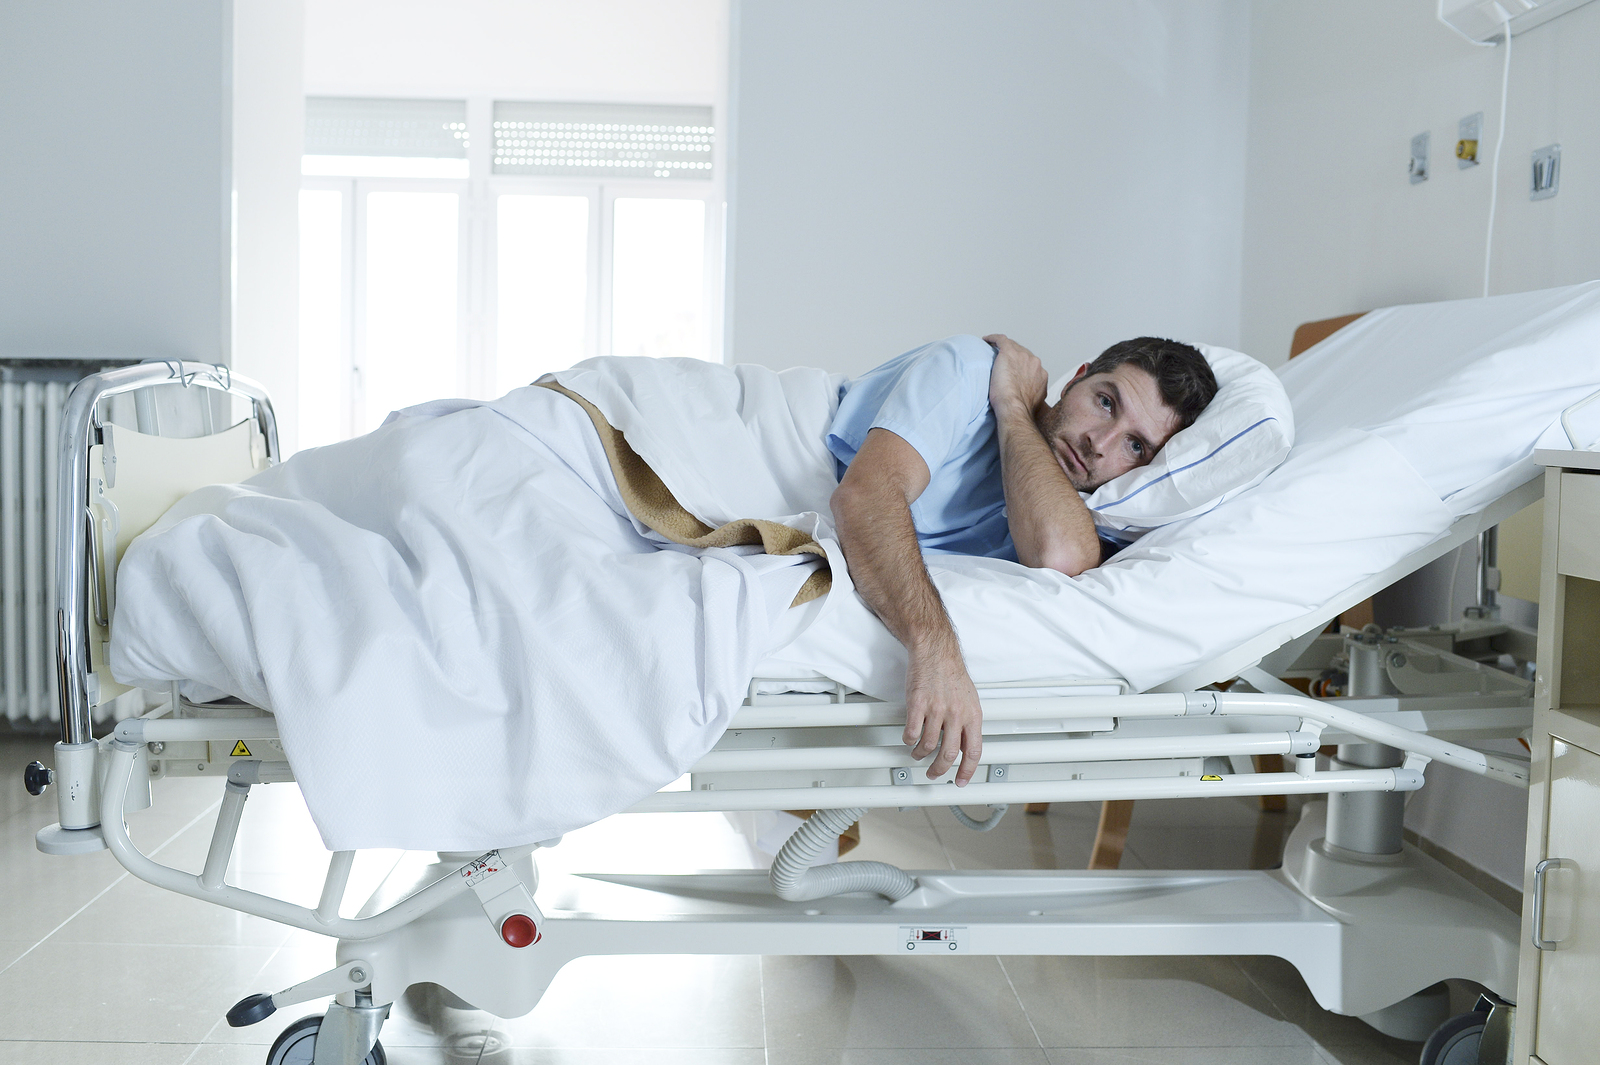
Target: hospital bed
x=1367, y=920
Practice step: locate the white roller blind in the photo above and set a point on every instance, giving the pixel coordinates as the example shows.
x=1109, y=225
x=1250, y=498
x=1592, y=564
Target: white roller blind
x=347, y=125
x=602, y=140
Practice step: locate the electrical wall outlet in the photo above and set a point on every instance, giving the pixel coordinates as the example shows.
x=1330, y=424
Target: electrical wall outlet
x=1546, y=172
x=1468, y=132
x=1419, y=158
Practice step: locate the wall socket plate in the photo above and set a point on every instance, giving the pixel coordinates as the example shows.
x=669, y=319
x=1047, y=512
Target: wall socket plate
x=1469, y=131
x=1546, y=177
x=1419, y=158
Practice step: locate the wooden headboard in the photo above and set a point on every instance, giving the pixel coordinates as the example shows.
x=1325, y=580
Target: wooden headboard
x=1311, y=333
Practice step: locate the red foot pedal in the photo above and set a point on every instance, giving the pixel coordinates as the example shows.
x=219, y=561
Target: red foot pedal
x=518, y=930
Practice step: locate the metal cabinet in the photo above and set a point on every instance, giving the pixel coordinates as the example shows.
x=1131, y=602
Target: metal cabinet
x=1559, y=977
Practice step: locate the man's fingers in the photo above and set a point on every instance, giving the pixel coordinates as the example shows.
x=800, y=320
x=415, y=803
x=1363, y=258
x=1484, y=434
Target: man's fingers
x=947, y=756
x=913, y=732
x=971, y=753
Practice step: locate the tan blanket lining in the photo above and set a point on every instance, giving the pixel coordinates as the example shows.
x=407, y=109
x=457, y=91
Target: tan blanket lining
x=649, y=500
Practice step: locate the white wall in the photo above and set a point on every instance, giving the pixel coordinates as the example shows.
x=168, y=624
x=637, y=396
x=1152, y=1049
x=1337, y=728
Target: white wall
x=627, y=51
x=1070, y=173
x=1332, y=224
x=114, y=179
x=268, y=138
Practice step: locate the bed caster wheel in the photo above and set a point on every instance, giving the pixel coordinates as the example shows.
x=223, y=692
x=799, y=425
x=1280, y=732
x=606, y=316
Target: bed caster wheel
x=1455, y=1042
x=298, y=1045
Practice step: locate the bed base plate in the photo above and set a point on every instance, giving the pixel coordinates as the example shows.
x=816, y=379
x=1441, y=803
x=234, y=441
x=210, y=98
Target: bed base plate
x=1371, y=934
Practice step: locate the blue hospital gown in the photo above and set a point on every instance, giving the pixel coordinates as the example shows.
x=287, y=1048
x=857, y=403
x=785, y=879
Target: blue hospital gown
x=936, y=398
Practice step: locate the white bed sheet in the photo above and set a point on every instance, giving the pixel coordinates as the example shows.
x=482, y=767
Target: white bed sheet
x=1406, y=420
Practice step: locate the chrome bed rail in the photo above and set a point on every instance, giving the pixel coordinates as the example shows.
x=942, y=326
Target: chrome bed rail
x=81, y=426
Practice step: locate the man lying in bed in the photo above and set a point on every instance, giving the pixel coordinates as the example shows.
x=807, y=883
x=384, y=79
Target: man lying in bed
x=954, y=447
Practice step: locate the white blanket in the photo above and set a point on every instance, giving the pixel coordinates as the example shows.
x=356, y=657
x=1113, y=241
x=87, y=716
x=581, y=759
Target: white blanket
x=467, y=640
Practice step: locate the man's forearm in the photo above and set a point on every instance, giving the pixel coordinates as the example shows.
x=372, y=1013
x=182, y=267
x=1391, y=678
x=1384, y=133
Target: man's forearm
x=1050, y=526
x=880, y=544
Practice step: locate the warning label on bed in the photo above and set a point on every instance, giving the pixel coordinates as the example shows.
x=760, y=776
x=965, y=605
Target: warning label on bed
x=239, y=750
x=937, y=940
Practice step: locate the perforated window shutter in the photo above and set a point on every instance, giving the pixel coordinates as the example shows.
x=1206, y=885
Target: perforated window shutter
x=602, y=140
x=347, y=125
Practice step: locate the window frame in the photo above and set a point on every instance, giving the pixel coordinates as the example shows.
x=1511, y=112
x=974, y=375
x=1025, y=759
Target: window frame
x=477, y=276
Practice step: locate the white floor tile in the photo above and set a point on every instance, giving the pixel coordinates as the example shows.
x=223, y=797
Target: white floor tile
x=11, y=950
x=1186, y=1056
x=43, y=890
x=1399, y=1053
x=123, y=993
x=619, y=1056
x=869, y=1001
x=919, y=1056
x=220, y=1054
x=21, y=1052
x=641, y=1001
x=1337, y=1034
x=1147, y=1002
x=137, y=913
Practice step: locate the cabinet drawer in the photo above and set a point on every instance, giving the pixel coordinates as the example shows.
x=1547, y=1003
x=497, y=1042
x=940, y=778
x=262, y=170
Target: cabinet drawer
x=1578, y=541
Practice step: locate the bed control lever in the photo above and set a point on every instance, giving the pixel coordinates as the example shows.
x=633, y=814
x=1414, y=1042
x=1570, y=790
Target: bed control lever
x=505, y=899
x=349, y=976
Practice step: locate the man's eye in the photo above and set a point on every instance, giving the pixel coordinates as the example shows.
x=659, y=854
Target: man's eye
x=1105, y=401
x=1137, y=446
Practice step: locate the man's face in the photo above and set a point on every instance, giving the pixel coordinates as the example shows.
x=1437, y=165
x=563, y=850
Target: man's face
x=1107, y=424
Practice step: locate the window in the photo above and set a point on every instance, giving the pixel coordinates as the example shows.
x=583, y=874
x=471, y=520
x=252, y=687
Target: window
x=464, y=248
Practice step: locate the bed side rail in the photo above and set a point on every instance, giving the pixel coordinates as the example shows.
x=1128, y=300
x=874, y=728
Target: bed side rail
x=1307, y=719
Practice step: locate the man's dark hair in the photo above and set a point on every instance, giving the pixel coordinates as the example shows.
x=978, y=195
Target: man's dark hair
x=1181, y=373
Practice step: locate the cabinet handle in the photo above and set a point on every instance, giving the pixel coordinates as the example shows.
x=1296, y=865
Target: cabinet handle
x=1538, y=900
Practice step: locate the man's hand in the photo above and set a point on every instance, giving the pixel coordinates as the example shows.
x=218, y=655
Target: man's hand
x=942, y=711
x=1018, y=379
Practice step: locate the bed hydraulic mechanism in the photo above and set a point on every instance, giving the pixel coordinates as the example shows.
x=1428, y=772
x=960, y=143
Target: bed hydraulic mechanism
x=1367, y=919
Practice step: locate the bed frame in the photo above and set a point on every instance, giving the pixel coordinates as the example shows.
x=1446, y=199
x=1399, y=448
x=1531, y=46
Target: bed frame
x=1368, y=920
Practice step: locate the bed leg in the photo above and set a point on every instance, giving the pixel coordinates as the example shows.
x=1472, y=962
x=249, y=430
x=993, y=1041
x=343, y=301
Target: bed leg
x=1111, y=836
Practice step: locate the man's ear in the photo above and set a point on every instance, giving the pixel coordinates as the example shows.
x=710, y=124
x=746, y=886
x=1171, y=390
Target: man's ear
x=1076, y=377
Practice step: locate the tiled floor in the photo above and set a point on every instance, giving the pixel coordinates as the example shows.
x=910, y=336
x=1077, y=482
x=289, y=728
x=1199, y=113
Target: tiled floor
x=96, y=967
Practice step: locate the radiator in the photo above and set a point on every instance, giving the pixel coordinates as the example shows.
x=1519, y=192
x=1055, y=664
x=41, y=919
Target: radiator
x=31, y=401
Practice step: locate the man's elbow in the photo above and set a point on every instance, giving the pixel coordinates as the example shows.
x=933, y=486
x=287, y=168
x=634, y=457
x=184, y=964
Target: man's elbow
x=1069, y=557
x=845, y=502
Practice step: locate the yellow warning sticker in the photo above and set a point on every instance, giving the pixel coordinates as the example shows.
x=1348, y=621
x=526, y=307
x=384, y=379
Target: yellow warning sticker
x=239, y=750
x=1208, y=776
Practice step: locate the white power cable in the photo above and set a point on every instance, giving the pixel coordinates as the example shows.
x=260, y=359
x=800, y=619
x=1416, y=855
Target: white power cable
x=1499, y=141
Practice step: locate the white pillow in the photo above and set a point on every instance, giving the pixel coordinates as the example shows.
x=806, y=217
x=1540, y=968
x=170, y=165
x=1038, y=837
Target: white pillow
x=1240, y=438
